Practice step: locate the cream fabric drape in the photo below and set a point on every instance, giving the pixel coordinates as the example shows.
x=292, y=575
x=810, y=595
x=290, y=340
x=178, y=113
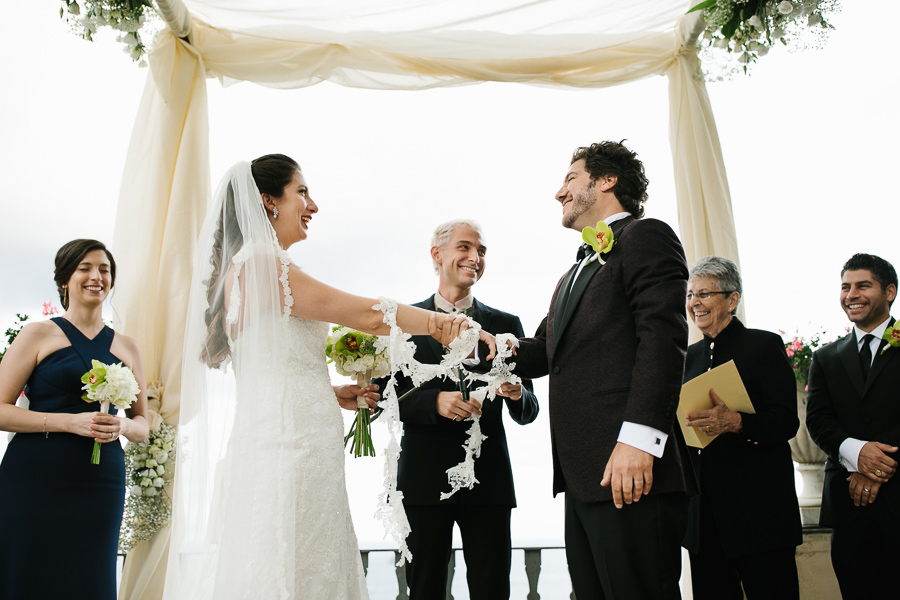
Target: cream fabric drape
x=166, y=180
x=162, y=201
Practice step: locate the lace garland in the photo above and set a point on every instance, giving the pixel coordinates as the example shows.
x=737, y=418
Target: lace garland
x=402, y=352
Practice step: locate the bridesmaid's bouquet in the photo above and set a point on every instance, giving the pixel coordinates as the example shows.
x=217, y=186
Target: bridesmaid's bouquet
x=109, y=384
x=363, y=356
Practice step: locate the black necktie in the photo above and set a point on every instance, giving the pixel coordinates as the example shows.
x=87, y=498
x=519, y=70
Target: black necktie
x=865, y=354
x=583, y=250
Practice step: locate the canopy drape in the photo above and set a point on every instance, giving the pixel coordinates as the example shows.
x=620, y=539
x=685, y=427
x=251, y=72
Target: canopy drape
x=274, y=43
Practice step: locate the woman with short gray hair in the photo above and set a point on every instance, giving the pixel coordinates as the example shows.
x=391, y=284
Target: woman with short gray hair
x=744, y=527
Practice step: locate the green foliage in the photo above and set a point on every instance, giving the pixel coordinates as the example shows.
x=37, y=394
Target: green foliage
x=13, y=331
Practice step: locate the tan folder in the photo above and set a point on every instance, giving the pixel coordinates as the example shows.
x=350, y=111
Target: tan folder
x=726, y=381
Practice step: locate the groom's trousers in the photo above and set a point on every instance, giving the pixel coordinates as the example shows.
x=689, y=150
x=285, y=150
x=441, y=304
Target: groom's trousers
x=628, y=553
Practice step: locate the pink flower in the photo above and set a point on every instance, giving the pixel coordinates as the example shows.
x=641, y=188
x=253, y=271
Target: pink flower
x=49, y=309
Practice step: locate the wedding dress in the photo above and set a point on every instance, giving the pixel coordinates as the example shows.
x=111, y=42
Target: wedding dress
x=260, y=506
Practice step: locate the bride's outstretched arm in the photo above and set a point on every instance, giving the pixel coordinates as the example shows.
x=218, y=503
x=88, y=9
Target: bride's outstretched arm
x=318, y=301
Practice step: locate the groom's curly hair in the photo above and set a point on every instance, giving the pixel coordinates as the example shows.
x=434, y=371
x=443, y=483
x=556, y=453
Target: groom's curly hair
x=614, y=158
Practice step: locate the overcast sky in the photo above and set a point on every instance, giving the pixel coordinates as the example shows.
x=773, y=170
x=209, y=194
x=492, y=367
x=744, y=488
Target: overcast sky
x=809, y=141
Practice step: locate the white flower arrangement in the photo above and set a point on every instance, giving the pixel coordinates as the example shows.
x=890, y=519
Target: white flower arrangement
x=748, y=29
x=130, y=18
x=109, y=384
x=363, y=356
x=114, y=384
x=149, y=467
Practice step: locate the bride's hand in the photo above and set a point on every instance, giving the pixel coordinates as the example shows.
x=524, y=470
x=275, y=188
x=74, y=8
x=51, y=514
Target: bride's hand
x=346, y=395
x=446, y=328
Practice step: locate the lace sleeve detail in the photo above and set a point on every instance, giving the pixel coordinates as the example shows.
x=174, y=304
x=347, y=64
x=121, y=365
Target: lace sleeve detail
x=285, y=259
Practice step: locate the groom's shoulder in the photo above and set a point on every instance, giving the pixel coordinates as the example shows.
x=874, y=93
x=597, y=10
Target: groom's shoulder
x=646, y=238
x=649, y=227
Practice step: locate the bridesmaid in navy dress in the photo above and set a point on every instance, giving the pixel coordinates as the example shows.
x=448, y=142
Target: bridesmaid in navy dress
x=60, y=514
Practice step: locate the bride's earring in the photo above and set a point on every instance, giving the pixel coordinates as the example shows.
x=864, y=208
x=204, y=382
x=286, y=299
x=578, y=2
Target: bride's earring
x=65, y=296
x=275, y=211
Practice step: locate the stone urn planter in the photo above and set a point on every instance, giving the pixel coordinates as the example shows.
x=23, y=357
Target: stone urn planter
x=810, y=461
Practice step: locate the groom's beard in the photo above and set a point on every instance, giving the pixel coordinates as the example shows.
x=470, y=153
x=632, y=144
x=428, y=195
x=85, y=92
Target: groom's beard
x=581, y=202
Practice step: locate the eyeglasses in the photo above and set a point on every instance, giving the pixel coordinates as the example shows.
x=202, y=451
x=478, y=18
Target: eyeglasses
x=705, y=295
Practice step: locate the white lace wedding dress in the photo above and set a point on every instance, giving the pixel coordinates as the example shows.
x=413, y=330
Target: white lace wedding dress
x=287, y=531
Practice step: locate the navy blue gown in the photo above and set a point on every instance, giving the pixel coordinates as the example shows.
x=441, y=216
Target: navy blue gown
x=60, y=514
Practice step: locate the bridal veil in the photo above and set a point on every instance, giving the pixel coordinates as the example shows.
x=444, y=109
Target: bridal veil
x=237, y=424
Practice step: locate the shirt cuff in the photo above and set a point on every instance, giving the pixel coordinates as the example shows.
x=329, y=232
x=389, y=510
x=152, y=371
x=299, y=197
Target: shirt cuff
x=643, y=437
x=849, y=451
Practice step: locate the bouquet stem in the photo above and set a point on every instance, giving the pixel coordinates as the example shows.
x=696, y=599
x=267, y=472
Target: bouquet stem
x=95, y=455
x=361, y=431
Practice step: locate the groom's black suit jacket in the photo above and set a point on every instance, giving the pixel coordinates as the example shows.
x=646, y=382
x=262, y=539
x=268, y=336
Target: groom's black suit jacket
x=432, y=444
x=841, y=404
x=615, y=353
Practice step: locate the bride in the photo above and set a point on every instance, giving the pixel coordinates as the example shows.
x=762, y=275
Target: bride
x=260, y=507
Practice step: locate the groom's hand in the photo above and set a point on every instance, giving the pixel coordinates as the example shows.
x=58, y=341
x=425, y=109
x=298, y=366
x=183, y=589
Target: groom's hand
x=630, y=472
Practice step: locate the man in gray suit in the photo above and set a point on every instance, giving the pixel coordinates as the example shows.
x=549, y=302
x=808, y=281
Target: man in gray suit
x=614, y=343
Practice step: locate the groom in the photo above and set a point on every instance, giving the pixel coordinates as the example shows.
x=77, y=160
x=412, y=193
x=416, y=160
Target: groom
x=613, y=343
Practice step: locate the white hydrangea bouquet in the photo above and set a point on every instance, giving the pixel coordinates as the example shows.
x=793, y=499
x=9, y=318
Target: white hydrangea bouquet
x=149, y=467
x=362, y=356
x=109, y=384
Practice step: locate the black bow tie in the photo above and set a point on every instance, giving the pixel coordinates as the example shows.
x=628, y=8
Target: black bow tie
x=583, y=250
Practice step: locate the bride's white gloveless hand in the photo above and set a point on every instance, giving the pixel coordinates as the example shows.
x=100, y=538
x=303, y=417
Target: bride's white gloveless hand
x=346, y=395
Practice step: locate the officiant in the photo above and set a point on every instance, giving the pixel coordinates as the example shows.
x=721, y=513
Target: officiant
x=434, y=431
x=744, y=526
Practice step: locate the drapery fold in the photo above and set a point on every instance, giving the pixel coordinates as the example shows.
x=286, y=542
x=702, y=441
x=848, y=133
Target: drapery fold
x=165, y=186
x=162, y=201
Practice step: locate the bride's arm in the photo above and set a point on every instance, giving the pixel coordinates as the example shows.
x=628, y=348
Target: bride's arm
x=320, y=302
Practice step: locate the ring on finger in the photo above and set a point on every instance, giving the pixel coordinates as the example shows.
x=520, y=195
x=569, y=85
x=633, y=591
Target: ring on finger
x=879, y=473
x=866, y=490
x=456, y=417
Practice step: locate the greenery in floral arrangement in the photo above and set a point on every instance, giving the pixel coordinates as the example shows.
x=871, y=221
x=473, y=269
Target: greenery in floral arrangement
x=800, y=351
x=128, y=17
x=149, y=466
x=748, y=29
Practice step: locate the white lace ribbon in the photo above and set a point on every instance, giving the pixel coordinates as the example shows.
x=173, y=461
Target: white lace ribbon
x=402, y=352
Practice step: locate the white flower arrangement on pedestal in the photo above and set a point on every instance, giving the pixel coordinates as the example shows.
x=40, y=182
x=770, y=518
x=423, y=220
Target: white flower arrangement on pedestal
x=748, y=29
x=130, y=18
x=149, y=467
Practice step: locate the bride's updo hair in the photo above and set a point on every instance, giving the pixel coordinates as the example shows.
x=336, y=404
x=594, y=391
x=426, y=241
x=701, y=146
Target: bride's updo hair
x=271, y=173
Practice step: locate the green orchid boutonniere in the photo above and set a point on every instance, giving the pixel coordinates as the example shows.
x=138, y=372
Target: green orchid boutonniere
x=600, y=238
x=892, y=335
